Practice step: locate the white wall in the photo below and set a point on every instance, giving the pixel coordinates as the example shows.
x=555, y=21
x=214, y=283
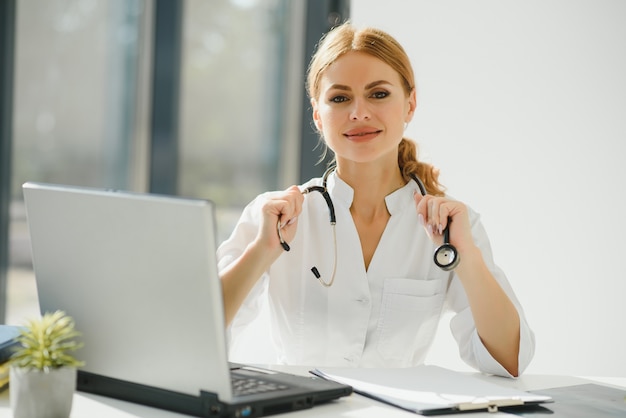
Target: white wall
x=523, y=108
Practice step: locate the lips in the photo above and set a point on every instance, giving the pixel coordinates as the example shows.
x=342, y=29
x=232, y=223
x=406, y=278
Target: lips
x=362, y=134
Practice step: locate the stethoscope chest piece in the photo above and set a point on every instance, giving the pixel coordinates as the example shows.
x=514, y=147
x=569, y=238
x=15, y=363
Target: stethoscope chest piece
x=446, y=256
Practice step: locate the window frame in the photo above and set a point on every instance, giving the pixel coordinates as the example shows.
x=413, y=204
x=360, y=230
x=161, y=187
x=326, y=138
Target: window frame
x=7, y=54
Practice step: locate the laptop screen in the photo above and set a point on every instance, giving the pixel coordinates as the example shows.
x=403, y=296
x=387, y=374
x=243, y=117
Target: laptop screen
x=138, y=274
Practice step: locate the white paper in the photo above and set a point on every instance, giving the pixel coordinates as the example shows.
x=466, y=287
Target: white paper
x=427, y=388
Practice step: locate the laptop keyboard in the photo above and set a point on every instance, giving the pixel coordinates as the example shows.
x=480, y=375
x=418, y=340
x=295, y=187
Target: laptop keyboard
x=251, y=386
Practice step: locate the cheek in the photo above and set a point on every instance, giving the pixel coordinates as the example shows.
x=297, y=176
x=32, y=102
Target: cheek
x=398, y=116
x=327, y=120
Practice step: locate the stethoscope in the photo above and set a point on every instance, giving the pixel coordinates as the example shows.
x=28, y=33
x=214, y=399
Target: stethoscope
x=445, y=257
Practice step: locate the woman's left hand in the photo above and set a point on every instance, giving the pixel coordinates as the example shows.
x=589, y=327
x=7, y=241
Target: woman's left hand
x=435, y=212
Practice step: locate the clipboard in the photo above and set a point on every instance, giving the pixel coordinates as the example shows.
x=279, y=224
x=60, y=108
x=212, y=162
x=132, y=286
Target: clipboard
x=431, y=390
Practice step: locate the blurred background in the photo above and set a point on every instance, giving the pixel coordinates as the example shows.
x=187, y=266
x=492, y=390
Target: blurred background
x=193, y=98
x=522, y=105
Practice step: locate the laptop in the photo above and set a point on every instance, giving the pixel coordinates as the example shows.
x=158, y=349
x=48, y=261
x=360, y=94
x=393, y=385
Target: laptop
x=138, y=273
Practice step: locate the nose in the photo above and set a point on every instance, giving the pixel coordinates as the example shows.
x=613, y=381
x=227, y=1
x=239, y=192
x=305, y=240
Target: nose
x=359, y=110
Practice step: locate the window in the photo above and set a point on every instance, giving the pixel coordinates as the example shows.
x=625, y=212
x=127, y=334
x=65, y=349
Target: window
x=82, y=105
x=77, y=115
x=236, y=98
x=82, y=101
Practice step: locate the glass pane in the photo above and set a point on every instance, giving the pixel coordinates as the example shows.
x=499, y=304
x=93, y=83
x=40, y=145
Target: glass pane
x=76, y=116
x=235, y=58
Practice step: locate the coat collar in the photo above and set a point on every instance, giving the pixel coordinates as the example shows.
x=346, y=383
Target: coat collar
x=396, y=201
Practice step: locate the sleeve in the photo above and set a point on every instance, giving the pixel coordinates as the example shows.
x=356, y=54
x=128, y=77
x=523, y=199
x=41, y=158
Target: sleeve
x=471, y=348
x=243, y=234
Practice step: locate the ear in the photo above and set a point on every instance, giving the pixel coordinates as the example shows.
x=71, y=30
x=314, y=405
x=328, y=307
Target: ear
x=412, y=105
x=316, y=115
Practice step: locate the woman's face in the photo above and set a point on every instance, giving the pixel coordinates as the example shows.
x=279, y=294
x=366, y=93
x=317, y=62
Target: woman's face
x=362, y=108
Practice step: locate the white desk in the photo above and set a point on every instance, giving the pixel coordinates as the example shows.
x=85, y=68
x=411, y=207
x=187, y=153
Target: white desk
x=93, y=406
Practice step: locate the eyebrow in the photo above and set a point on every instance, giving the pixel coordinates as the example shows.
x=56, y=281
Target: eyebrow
x=367, y=87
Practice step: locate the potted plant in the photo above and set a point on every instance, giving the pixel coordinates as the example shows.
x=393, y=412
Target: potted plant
x=42, y=375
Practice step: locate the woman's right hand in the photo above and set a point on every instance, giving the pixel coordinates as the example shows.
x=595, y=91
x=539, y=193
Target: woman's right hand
x=241, y=275
x=285, y=208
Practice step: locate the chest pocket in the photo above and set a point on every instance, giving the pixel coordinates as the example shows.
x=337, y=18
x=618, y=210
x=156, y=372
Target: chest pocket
x=409, y=314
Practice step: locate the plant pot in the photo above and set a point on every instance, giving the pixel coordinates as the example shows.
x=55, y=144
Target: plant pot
x=35, y=393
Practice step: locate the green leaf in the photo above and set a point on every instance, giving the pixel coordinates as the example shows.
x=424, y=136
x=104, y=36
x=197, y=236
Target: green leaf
x=45, y=343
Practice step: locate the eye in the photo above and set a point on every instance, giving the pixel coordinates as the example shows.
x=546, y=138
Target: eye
x=380, y=94
x=338, y=99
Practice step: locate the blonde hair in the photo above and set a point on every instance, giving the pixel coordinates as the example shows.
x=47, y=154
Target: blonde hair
x=346, y=38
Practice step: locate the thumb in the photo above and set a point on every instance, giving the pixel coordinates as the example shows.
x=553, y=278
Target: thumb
x=417, y=196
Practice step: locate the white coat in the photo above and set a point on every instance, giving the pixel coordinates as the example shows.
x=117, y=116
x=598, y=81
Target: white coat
x=386, y=316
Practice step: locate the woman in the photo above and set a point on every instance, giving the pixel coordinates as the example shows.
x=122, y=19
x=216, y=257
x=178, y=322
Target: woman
x=369, y=295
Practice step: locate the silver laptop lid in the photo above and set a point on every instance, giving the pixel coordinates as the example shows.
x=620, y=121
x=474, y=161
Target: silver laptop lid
x=138, y=273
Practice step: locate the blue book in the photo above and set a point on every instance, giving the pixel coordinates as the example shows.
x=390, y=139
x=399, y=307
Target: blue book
x=8, y=342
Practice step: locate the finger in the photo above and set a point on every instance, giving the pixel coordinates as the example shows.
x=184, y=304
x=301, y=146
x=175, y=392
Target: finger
x=437, y=210
x=417, y=197
x=286, y=232
x=422, y=203
x=433, y=214
x=298, y=199
x=284, y=227
x=443, y=211
x=288, y=206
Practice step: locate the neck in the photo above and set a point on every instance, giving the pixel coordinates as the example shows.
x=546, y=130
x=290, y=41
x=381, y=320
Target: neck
x=371, y=184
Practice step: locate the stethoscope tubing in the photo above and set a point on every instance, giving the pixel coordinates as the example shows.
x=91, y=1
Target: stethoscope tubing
x=445, y=256
x=323, y=190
